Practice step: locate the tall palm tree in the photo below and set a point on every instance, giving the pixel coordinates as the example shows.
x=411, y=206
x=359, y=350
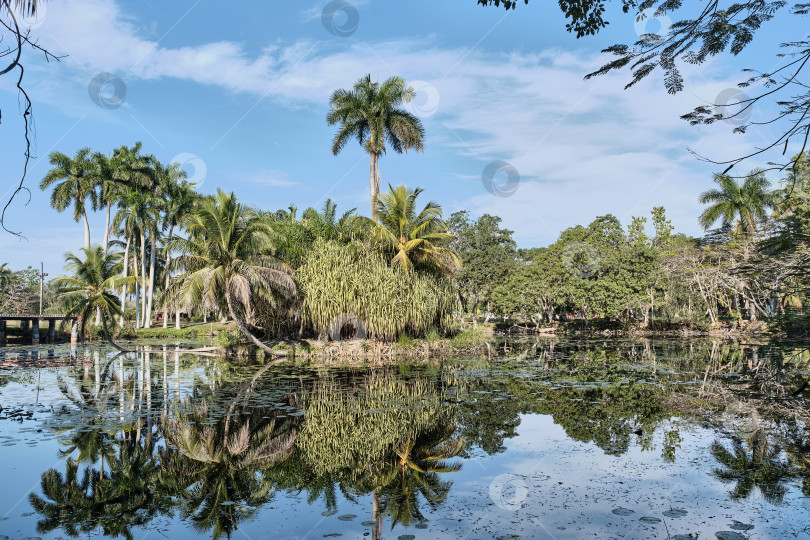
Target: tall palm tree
x=744, y=205
x=78, y=178
x=414, y=240
x=760, y=468
x=226, y=263
x=92, y=286
x=181, y=197
x=371, y=112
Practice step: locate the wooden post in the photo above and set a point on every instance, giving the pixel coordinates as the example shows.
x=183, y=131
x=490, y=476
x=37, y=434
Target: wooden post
x=74, y=331
x=2, y=333
x=23, y=324
x=51, y=331
x=35, y=332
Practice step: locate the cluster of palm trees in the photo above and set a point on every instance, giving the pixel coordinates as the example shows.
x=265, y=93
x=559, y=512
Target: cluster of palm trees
x=212, y=254
x=149, y=199
x=233, y=260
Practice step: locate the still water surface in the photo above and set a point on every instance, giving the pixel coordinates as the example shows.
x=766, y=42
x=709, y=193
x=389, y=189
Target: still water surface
x=551, y=439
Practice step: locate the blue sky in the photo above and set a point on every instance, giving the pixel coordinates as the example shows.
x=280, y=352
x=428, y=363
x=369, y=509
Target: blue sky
x=244, y=95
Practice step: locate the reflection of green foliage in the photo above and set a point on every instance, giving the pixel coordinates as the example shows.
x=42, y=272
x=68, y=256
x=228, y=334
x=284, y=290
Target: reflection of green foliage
x=352, y=431
x=761, y=467
x=415, y=470
x=213, y=463
x=606, y=416
x=672, y=441
x=79, y=506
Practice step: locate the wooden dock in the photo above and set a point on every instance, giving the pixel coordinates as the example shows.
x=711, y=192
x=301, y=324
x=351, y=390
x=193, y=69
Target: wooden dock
x=34, y=322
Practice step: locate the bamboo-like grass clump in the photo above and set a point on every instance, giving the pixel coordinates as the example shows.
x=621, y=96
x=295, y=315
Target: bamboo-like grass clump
x=339, y=280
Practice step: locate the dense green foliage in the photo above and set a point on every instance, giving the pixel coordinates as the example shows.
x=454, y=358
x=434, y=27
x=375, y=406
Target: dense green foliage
x=344, y=281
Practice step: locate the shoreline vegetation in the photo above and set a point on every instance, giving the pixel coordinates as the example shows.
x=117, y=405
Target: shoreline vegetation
x=224, y=339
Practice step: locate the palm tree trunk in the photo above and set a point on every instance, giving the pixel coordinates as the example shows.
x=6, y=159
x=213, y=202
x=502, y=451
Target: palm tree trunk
x=166, y=271
x=177, y=317
x=137, y=285
x=376, y=516
x=248, y=334
x=374, y=184
x=143, y=279
x=86, y=231
x=107, y=227
x=107, y=335
x=152, y=256
x=124, y=274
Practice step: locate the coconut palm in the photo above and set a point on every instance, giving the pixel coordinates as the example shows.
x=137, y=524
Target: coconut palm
x=744, y=206
x=225, y=263
x=73, y=181
x=92, y=286
x=761, y=467
x=371, y=112
x=414, y=240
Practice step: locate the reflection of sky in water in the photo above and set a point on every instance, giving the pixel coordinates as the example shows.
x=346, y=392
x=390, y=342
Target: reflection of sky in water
x=544, y=485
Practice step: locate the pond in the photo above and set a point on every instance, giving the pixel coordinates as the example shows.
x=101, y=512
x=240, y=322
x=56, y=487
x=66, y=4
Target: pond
x=543, y=439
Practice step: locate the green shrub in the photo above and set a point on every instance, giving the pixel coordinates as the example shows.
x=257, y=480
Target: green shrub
x=339, y=281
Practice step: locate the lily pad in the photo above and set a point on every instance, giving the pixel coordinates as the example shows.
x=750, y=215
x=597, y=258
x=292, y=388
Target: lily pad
x=406, y=537
x=328, y=513
x=740, y=526
x=729, y=535
x=622, y=511
x=674, y=513
x=421, y=526
x=649, y=519
x=689, y=536
x=347, y=517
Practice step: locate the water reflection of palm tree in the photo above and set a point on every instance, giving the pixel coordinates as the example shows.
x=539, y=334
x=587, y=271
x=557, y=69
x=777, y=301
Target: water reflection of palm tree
x=414, y=469
x=90, y=439
x=115, y=502
x=758, y=465
x=214, y=466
